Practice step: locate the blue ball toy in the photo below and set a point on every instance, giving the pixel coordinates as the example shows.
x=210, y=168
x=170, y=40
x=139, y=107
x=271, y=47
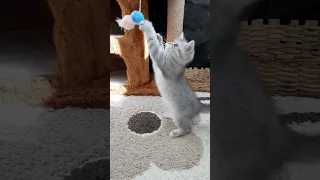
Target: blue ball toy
x=137, y=16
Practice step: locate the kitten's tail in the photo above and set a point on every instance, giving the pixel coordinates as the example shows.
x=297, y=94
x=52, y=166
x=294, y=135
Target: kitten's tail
x=304, y=147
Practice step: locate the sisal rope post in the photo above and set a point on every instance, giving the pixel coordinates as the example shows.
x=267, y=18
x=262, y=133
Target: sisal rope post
x=175, y=19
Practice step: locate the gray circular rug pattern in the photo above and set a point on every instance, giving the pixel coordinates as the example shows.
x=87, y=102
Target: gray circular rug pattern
x=93, y=170
x=51, y=143
x=144, y=122
x=132, y=153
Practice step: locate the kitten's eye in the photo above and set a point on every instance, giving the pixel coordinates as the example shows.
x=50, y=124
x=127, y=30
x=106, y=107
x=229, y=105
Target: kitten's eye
x=175, y=45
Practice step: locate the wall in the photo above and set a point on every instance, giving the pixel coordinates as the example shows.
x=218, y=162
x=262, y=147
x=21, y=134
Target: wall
x=19, y=14
x=285, y=10
x=116, y=62
x=115, y=12
x=197, y=20
x=197, y=27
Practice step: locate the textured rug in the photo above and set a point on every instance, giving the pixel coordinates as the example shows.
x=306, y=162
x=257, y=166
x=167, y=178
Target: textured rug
x=44, y=91
x=199, y=80
x=43, y=143
x=141, y=147
x=97, y=169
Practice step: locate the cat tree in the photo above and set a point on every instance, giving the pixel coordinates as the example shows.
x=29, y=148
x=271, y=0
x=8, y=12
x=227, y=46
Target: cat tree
x=132, y=46
x=81, y=40
x=81, y=37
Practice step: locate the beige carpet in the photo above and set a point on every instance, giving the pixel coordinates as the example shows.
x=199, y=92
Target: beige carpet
x=139, y=155
x=141, y=150
x=199, y=80
x=46, y=144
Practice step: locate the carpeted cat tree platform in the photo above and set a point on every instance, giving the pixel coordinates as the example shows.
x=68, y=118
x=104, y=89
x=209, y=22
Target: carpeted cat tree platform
x=132, y=48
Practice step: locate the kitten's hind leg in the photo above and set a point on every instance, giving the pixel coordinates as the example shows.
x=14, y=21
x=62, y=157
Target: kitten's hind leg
x=183, y=128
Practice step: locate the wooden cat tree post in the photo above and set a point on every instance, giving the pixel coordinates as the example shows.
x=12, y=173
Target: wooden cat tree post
x=132, y=46
x=81, y=39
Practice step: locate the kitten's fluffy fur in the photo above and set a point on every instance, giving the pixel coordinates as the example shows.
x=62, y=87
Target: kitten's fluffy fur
x=249, y=142
x=169, y=64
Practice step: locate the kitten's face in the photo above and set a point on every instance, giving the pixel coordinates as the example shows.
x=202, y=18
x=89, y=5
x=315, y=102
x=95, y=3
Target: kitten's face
x=180, y=50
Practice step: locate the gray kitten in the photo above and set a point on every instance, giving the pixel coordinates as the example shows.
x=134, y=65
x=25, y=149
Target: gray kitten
x=169, y=64
x=249, y=142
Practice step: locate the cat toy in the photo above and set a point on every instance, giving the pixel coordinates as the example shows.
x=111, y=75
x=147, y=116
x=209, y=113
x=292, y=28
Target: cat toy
x=129, y=21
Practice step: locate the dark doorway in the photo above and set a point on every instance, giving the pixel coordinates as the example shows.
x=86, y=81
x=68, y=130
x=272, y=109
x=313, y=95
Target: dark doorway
x=26, y=38
x=115, y=12
x=116, y=62
x=158, y=11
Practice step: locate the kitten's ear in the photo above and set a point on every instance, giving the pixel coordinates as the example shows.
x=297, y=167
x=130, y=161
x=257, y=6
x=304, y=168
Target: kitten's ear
x=190, y=46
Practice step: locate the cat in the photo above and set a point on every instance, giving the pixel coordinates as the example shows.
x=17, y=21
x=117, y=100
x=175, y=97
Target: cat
x=248, y=141
x=169, y=62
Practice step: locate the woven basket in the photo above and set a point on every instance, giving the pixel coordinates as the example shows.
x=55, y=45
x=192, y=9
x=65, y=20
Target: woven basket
x=287, y=57
x=199, y=79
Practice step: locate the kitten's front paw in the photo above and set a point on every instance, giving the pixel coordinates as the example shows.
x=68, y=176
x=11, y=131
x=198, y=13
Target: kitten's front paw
x=145, y=25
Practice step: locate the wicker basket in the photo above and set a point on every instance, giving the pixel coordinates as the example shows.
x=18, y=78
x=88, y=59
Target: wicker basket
x=286, y=56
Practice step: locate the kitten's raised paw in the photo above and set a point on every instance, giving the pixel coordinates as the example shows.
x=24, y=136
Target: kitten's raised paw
x=179, y=132
x=145, y=25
